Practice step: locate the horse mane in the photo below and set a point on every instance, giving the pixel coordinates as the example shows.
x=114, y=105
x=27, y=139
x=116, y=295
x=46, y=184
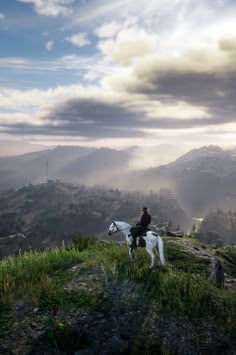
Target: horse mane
x=127, y=224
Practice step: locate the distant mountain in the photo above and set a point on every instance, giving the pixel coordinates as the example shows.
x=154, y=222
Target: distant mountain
x=35, y=167
x=153, y=156
x=202, y=179
x=98, y=167
x=74, y=164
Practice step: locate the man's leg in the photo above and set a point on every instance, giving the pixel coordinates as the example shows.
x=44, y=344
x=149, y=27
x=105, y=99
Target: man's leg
x=134, y=232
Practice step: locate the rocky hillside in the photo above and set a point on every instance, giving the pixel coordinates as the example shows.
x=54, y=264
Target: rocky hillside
x=98, y=301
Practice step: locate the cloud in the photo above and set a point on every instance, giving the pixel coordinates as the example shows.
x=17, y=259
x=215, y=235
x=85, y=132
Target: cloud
x=204, y=78
x=194, y=91
x=49, y=45
x=100, y=116
x=228, y=44
x=2, y=16
x=79, y=39
x=82, y=117
x=108, y=29
x=65, y=63
x=130, y=43
x=159, y=69
x=51, y=8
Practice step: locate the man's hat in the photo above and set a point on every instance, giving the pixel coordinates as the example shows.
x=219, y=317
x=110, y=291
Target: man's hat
x=145, y=208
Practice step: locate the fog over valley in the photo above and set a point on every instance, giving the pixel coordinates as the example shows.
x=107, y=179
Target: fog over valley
x=200, y=180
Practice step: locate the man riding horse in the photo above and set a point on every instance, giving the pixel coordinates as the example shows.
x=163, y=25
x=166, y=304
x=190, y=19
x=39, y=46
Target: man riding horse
x=142, y=227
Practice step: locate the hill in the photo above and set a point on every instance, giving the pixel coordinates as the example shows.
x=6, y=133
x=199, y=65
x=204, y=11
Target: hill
x=49, y=213
x=202, y=179
x=97, y=301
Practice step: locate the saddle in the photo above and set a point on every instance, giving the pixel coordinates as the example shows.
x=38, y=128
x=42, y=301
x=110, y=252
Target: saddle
x=137, y=231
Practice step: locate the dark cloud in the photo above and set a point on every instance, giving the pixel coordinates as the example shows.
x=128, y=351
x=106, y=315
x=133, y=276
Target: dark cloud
x=95, y=119
x=85, y=118
x=215, y=92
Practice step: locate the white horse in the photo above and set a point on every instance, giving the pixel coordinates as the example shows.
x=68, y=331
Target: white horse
x=149, y=240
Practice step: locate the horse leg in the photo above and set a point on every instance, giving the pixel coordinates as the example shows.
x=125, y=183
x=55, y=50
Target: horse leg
x=131, y=252
x=160, y=249
x=150, y=252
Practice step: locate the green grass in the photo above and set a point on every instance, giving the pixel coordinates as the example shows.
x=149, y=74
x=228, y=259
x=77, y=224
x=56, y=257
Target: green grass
x=184, y=260
x=184, y=287
x=228, y=257
x=30, y=275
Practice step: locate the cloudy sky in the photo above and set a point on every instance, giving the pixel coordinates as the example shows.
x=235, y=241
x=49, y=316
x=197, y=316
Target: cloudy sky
x=118, y=73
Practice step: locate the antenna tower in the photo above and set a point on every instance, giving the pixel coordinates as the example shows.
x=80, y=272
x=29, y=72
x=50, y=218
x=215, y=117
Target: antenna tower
x=47, y=170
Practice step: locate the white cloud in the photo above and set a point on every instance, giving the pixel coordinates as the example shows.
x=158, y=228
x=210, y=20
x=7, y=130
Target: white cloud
x=79, y=39
x=91, y=75
x=163, y=38
x=143, y=76
x=108, y=29
x=130, y=43
x=67, y=62
x=51, y=7
x=49, y=45
x=2, y=16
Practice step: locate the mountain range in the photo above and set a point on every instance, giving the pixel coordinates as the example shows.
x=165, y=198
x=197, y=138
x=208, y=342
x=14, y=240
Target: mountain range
x=200, y=179
x=80, y=164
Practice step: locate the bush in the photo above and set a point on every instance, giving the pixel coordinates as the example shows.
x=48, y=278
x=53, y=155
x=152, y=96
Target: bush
x=82, y=242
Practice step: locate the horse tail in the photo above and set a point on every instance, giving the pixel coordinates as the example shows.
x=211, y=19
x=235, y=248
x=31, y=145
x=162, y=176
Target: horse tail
x=160, y=248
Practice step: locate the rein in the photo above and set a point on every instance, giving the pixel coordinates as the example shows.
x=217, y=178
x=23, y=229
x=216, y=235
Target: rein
x=119, y=230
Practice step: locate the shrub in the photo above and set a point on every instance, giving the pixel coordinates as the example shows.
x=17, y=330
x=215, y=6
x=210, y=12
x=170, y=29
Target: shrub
x=82, y=242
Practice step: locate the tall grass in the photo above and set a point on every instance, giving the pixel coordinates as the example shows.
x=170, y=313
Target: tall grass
x=29, y=275
x=184, y=287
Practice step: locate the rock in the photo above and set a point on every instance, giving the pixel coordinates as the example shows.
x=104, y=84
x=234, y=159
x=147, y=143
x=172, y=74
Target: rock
x=3, y=350
x=117, y=345
x=13, y=245
x=84, y=352
x=20, y=305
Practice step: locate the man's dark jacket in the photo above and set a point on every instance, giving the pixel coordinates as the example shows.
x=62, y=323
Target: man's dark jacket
x=145, y=220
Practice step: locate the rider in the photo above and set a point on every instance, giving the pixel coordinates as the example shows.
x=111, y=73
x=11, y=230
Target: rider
x=142, y=226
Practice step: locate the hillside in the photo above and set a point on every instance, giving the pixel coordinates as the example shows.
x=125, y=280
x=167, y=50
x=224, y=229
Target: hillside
x=49, y=213
x=202, y=179
x=97, y=301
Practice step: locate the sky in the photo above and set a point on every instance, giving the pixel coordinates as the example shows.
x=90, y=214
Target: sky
x=118, y=73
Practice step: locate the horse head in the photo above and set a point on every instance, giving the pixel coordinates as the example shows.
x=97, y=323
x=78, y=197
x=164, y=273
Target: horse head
x=112, y=229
